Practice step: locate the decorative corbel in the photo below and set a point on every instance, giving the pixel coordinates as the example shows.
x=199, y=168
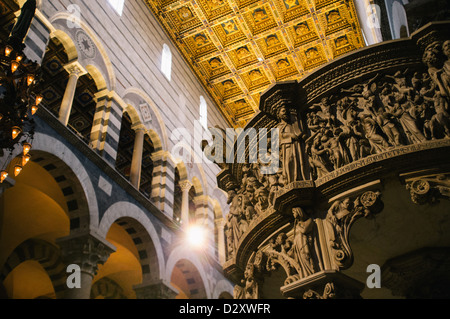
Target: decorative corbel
x=341, y=217
x=428, y=189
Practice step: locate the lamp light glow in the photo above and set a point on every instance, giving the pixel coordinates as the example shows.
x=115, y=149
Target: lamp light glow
x=196, y=236
x=25, y=160
x=17, y=170
x=8, y=50
x=15, y=132
x=39, y=99
x=14, y=66
x=34, y=109
x=30, y=79
x=26, y=148
x=3, y=176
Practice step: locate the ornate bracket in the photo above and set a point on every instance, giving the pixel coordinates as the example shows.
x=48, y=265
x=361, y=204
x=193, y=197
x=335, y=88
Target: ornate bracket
x=341, y=217
x=429, y=189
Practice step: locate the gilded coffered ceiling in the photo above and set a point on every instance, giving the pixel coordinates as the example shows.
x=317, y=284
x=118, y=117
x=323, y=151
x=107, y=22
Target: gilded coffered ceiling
x=238, y=48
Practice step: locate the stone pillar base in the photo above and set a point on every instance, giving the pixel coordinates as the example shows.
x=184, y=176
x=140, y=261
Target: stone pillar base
x=328, y=284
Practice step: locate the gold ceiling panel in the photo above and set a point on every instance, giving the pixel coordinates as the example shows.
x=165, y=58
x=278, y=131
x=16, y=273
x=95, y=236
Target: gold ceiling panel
x=183, y=19
x=255, y=79
x=272, y=45
x=291, y=9
x=215, y=67
x=229, y=32
x=238, y=48
x=243, y=56
x=284, y=68
x=214, y=9
x=312, y=57
x=228, y=89
x=260, y=19
x=302, y=33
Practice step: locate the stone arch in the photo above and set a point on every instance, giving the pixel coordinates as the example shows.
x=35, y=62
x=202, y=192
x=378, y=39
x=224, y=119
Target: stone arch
x=74, y=196
x=107, y=288
x=143, y=233
x=152, y=162
x=66, y=41
x=76, y=177
x=217, y=208
x=223, y=290
x=61, y=20
x=46, y=254
x=135, y=97
x=97, y=76
x=182, y=170
x=183, y=253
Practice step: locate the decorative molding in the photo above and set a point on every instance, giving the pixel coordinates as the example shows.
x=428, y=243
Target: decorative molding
x=86, y=251
x=428, y=189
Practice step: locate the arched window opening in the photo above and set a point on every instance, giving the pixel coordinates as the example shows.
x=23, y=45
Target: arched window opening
x=203, y=113
x=117, y=5
x=55, y=79
x=166, y=64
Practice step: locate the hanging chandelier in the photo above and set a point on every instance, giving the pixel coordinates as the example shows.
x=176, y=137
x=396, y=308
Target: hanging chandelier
x=19, y=100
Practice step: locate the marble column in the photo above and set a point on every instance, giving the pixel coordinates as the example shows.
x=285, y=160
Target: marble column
x=221, y=240
x=185, y=187
x=136, y=162
x=88, y=252
x=75, y=71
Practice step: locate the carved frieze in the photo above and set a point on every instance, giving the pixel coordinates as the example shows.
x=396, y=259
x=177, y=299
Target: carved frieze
x=340, y=133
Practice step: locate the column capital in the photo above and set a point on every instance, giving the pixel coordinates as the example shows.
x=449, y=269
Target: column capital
x=155, y=290
x=75, y=68
x=139, y=127
x=85, y=250
x=185, y=185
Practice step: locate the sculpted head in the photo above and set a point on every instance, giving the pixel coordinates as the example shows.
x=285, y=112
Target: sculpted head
x=446, y=48
x=432, y=54
x=283, y=114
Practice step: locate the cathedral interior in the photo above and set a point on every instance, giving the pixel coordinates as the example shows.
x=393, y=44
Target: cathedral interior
x=224, y=149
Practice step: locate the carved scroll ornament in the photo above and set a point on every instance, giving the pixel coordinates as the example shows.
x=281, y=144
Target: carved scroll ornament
x=341, y=217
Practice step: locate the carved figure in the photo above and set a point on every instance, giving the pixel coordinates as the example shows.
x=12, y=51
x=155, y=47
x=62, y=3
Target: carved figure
x=446, y=69
x=432, y=57
x=251, y=287
x=305, y=245
x=291, y=148
x=262, y=196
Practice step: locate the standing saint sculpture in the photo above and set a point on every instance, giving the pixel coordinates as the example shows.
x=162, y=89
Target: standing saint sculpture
x=305, y=247
x=292, y=145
